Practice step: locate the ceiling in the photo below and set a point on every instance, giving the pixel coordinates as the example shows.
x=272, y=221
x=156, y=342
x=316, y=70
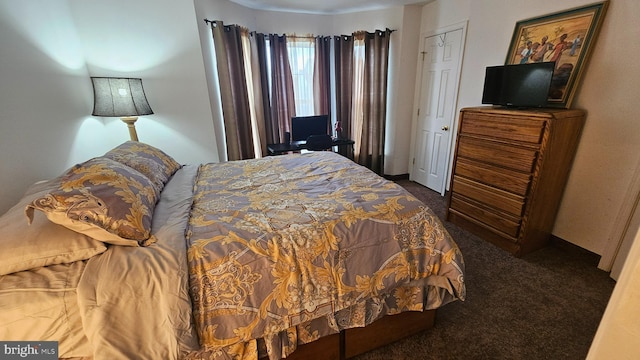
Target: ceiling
x=325, y=6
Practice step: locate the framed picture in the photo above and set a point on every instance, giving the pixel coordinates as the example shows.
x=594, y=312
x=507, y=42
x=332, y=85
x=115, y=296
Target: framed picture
x=565, y=38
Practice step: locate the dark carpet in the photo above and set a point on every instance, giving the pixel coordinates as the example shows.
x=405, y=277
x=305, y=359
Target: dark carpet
x=545, y=305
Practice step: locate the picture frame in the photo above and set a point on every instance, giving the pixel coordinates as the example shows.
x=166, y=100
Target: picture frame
x=566, y=37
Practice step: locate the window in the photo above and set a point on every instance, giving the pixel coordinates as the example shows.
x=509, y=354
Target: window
x=301, y=53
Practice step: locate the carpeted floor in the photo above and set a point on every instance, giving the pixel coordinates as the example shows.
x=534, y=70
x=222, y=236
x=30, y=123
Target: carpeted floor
x=546, y=305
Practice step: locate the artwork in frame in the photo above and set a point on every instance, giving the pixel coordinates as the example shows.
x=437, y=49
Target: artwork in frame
x=566, y=38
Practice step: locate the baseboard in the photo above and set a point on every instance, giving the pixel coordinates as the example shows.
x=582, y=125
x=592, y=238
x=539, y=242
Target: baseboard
x=396, y=177
x=572, y=248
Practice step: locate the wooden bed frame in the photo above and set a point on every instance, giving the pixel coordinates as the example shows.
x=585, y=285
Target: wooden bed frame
x=356, y=341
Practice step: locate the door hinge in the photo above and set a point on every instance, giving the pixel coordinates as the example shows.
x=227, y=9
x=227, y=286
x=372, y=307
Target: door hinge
x=418, y=112
x=414, y=161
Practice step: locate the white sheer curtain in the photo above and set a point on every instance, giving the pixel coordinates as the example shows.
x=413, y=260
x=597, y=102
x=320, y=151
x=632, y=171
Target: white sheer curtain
x=301, y=60
x=357, y=109
x=256, y=114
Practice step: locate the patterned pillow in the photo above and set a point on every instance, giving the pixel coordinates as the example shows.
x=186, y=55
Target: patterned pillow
x=103, y=199
x=150, y=161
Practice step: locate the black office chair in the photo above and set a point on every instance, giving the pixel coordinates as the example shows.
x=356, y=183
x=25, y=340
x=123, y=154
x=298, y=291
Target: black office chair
x=319, y=142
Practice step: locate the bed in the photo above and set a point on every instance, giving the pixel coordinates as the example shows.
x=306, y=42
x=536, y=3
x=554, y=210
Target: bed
x=132, y=255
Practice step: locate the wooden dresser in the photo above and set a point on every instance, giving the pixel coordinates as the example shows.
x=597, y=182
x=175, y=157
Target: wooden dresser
x=509, y=173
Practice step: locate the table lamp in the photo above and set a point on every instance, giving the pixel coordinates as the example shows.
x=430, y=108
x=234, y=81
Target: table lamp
x=120, y=97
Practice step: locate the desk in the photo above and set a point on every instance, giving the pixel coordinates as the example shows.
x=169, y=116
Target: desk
x=278, y=149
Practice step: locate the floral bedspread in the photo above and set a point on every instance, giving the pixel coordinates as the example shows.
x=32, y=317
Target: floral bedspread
x=286, y=249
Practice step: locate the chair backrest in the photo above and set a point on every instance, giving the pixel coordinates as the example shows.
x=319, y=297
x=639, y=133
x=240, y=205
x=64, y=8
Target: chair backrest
x=318, y=142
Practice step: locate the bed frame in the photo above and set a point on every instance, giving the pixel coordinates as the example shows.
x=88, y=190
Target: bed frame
x=356, y=341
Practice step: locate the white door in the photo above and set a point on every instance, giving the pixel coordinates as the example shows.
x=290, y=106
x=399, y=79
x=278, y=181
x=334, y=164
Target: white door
x=441, y=63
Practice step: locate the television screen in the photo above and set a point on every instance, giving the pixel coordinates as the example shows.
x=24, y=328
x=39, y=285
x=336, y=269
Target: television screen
x=491, y=93
x=518, y=85
x=304, y=126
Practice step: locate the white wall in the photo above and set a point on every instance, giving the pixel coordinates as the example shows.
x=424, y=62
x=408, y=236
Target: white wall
x=50, y=50
x=403, y=62
x=156, y=40
x=44, y=80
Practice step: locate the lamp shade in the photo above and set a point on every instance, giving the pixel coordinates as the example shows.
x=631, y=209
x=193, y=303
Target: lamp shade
x=118, y=97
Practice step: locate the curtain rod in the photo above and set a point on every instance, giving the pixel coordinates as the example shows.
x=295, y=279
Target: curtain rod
x=207, y=21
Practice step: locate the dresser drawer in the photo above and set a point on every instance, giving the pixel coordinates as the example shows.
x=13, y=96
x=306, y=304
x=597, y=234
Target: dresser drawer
x=505, y=179
x=512, y=128
x=505, y=224
x=491, y=197
x=503, y=155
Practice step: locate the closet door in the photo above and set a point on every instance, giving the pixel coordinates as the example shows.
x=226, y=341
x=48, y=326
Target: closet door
x=440, y=74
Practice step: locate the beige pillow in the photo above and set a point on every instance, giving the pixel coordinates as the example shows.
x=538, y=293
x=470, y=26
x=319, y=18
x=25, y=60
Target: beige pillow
x=103, y=199
x=43, y=243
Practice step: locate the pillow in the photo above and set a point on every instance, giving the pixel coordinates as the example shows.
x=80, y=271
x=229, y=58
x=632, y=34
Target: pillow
x=150, y=161
x=103, y=199
x=43, y=243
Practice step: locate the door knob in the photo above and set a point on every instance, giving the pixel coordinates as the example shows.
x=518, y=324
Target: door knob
x=445, y=128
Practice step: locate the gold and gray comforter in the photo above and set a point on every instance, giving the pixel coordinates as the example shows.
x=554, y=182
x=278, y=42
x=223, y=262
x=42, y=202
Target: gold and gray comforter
x=286, y=249
x=280, y=251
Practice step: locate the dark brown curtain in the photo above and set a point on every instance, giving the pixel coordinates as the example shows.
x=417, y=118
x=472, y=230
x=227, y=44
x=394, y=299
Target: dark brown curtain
x=256, y=115
x=376, y=48
x=322, y=76
x=263, y=124
x=343, y=56
x=283, y=106
x=233, y=89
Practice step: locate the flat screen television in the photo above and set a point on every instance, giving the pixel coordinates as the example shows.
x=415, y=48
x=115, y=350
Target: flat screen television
x=304, y=126
x=518, y=85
